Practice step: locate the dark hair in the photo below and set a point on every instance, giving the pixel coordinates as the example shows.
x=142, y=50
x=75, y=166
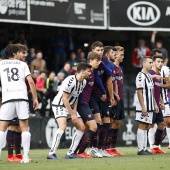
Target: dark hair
x=114, y=49
x=155, y=51
x=83, y=66
x=97, y=44
x=157, y=56
x=107, y=49
x=22, y=47
x=93, y=55
x=11, y=49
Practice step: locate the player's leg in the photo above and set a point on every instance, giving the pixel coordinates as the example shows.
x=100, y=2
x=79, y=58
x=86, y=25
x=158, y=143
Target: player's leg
x=142, y=139
x=105, y=128
x=167, y=124
x=60, y=113
x=158, y=134
x=3, y=127
x=118, y=117
x=151, y=134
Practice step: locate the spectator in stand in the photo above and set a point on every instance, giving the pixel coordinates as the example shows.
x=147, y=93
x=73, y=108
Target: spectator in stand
x=59, y=43
x=159, y=46
x=57, y=82
x=81, y=57
x=21, y=39
x=138, y=53
x=73, y=69
x=66, y=70
x=49, y=84
x=72, y=59
x=41, y=92
x=31, y=56
x=39, y=63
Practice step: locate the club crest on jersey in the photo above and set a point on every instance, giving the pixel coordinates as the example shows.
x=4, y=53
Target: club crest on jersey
x=67, y=88
x=89, y=116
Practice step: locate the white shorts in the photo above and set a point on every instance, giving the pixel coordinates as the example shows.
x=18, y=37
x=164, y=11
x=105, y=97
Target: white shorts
x=14, y=109
x=145, y=119
x=60, y=111
x=166, y=112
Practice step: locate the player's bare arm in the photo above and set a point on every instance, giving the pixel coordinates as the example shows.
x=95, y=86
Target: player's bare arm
x=33, y=91
x=140, y=97
x=68, y=107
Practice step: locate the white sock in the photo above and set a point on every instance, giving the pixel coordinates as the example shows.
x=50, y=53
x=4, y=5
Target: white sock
x=75, y=141
x=26, y=138
x=140, y=139
x=145, y=140
x=2, y=137
x=168, y=134
x=56, y=141
x=151, y=137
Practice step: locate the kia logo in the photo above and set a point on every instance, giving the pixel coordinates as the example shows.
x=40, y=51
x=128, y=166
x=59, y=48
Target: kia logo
x=143, y=13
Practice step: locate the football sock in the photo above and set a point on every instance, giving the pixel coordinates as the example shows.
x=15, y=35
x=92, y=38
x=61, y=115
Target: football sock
x=10, y=141
x=145, y=140
x=26, y=139
x=151, y=137
x=114, y=134
x=158, y=136
x=17, y=142
x=140, y=139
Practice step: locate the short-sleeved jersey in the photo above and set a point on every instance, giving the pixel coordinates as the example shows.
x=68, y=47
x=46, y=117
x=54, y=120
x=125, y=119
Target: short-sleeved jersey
x=13, y=74
x=145, y=82
x=71, y=86
x=119, y=78
x=84, y=97
x=165, y=73
x=157, y=87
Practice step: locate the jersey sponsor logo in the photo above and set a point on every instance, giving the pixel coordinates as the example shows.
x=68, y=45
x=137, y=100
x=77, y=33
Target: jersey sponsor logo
x=143, y=13
x=158, y=84
x=119, y=77
x=100, y=72
x=90, y=83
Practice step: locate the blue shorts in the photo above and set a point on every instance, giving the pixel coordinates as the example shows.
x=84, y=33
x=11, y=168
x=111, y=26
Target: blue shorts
x=119, y=108
x=85, y=112
x=105, y=109
x=158, y=117
x=15, y=122
x=95, y=103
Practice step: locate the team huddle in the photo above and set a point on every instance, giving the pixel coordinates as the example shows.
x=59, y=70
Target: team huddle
x=92, y=100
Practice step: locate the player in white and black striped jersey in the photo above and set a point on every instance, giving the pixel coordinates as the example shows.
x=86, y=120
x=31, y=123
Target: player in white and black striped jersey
x=165, y=74
x=145, y=104
x=64, y=107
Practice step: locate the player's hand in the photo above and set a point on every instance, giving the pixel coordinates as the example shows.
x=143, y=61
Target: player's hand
x=117, y=97
x=74, y=117
x=144, y=111
x=162, y=106
x=103, y=98
x=113, y=102
x=44, y=90
x=158, y=77
x=35, y=104
x=156, y=109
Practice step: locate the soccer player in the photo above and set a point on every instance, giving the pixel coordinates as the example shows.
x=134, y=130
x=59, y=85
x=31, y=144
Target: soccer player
x=119, y=108
x=110, y=53
x=145, y=104
x=64, y=107
x=157, y=117
x=84, y=110
x=14, y=96
x=97, y=99
x=13, y=136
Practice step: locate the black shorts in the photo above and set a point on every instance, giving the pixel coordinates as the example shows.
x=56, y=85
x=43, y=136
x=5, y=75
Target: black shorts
x=14, y=121
x=119, y=108
x=158, y=117
x=85, y=112
x=112, y=111
x=95, y=103
x=105, y=109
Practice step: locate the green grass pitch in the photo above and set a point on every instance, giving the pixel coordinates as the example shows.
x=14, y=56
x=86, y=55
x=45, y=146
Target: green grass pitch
x=129, y=162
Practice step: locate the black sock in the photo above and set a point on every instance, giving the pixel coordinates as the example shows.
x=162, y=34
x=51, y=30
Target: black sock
x=17, y=142
x=158, y=136
x=10, y=141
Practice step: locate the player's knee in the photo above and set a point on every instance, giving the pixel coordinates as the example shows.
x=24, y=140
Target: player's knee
x=93, y=128
x=168, y=124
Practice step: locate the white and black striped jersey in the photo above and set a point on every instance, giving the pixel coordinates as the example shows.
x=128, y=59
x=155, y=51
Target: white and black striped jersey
x=71, y=86
x=145, y=82
x=165, y=72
